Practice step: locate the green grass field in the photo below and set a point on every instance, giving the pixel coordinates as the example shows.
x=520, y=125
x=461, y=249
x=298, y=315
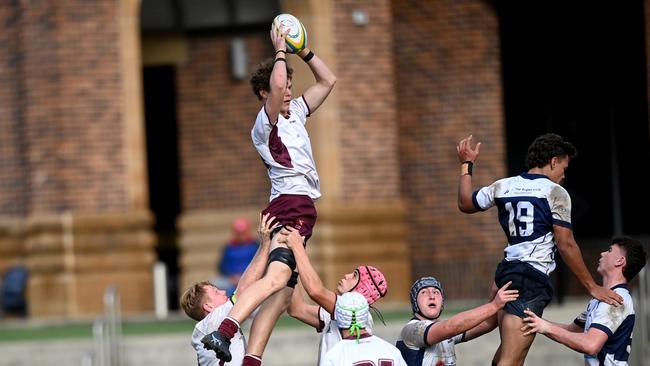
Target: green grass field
x=180, y=324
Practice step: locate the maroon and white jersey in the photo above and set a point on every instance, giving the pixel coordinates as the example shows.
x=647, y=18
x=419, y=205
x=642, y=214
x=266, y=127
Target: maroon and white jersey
x=208, y=325
x=369, y=350
x=285, y=148
x=330, y=333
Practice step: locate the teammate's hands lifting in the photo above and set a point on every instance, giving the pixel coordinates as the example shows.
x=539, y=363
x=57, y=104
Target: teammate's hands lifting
x=291, y=237
x=534, y=324
x=606, y=295
x=465, y=150
x=504, y=295
x=267, y=224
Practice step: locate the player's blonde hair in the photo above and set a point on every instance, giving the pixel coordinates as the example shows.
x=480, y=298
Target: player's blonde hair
x=193, y=298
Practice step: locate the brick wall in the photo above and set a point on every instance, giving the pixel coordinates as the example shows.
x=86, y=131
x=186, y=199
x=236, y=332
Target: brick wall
x=61, y=107
x=13, y=194
x=448, y=85
x=367, y=102
x=219, y=165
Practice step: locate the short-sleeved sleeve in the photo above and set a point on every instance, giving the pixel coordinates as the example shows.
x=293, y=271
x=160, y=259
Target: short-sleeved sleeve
x=560, y=203
x=608, y=318
x=300, y=107
x=414, y=333
x=581, y=319
x=483, y=198
x=262, y=128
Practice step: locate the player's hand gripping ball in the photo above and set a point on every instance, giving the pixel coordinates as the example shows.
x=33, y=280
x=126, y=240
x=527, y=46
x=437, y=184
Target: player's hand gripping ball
x=296, y=37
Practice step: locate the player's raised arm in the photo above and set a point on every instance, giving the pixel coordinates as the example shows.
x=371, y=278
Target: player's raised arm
x=467, y=157
x=278, y=81
x=256, y=267
x=316, y=94
x=468, y=319
x=301, y=310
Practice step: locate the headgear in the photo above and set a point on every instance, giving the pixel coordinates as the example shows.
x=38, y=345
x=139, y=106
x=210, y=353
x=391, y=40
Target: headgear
x=351, y=312
x=372, y=284
x=418, y=285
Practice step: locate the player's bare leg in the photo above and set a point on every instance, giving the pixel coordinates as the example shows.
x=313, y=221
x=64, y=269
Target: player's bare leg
x=266, y=319
x=514, y=345
x=275, y=279
x=497, y=356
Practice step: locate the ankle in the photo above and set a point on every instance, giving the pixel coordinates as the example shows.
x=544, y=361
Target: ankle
x=228, y=327
x=252, y=360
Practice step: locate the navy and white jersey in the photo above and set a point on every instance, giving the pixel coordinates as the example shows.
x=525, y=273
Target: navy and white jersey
x=286, y=151
x=208, y=325
x=369, y=350
x=616, y=322
x=528, y=207
x=415, y=350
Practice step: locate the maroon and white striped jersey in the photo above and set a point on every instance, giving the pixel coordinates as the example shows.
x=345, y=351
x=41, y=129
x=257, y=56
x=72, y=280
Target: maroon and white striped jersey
x=286, y=151
x=369, y=350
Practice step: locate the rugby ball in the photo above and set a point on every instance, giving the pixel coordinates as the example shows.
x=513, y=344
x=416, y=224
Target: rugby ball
x=296, y=37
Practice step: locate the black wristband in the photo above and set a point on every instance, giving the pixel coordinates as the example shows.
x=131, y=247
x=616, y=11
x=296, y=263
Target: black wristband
x=278, y=51
x=308, y=56
x=470, y=166
x=280, y=59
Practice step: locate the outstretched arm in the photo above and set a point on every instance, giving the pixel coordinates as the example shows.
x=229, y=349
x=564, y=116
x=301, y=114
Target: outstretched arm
x=308, y=276
x=570, y=335
x=301, y=310
x=315, y=95
x=484, y=327
x=256, y=267
x=466, y=154
x=572, y=256
x=489, y=324
x=466, y=320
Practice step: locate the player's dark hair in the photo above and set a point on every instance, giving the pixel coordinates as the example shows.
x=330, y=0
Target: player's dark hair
x=635, y=255
x=546, y=147
x=262, y=75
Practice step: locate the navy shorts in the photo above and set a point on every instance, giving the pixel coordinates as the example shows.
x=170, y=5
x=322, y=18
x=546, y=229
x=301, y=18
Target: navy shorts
x=535, y=288
x=297, y=211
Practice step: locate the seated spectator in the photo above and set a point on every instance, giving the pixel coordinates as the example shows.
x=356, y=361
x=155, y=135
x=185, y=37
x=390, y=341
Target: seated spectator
x=237, y=254
x=14, y=291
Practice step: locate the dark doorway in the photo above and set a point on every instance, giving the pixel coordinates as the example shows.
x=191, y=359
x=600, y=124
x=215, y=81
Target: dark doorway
x=162, y=160
x=579, y=69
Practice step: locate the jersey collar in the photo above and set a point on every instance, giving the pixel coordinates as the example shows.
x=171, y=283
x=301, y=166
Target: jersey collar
x=532, y=176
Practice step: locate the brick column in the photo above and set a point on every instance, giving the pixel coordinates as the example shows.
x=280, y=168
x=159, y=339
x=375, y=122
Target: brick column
x=75, y=153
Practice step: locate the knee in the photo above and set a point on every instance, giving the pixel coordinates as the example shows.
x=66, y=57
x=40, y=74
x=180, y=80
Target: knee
x=277, y=276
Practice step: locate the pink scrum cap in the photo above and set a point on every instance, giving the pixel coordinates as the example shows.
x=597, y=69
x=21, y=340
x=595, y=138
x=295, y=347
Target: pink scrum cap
x=372, y=283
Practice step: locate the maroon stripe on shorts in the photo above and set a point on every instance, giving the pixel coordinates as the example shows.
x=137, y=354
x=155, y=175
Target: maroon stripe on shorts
x=294, y=210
